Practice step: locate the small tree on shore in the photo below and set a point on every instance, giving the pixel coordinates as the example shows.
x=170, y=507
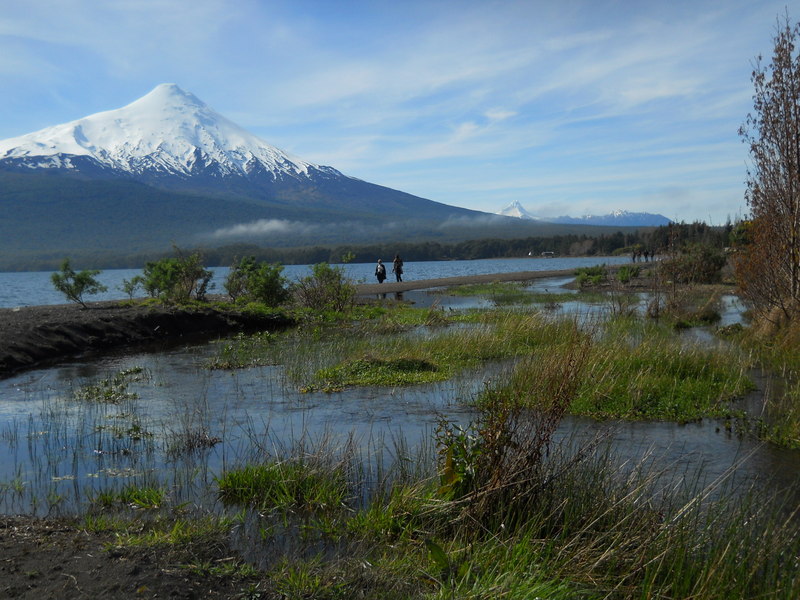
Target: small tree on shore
x=258, y=281
x=768, y=263
x=327, y=288
x=75, y=285
x=178, y=279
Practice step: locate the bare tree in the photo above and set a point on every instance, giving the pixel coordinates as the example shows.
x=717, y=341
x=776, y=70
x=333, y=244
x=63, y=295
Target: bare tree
x=768, y=266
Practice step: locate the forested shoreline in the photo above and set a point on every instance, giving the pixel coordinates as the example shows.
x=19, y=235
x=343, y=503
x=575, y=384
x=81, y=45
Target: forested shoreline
x=658, y=240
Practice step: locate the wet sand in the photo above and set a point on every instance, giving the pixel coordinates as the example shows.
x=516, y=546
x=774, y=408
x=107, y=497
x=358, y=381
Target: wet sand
x=368, y=289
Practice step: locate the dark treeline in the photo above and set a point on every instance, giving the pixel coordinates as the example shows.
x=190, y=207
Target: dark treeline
x=658, y=240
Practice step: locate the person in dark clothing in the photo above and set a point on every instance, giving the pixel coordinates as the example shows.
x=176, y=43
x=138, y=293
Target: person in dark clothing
x=380, y=271
x=397, y=267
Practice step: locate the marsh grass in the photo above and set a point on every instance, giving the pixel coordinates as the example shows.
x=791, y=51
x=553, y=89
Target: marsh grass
x=660, y=379
x=131, y=496
x=634, y=370
x=285, y=486
x=492, y=509
x=407, y=360
x=244, y=351
x=112, y=390
x=776, y=350
x=511, y=293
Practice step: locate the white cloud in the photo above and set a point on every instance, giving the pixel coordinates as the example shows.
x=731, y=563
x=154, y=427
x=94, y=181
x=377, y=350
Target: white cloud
x=265, y=227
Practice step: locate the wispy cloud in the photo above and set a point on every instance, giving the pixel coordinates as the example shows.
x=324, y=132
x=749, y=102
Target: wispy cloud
x=265, y=227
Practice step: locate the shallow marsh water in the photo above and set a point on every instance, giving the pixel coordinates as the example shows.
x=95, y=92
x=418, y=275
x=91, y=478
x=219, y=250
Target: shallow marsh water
x=56, y=451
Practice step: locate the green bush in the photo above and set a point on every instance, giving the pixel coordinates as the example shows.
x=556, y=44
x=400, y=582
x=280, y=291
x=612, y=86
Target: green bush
x=327, y=288
x=697, y=263
x=627, y=272
x=177, y=280
x=259, y=281
x=591, y=275
x=75, y=285
x=129, y=286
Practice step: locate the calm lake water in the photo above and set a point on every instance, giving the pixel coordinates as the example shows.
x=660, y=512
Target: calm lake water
x=35, y=288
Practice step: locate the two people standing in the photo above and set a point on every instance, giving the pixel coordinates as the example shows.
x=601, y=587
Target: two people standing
x=397, y=269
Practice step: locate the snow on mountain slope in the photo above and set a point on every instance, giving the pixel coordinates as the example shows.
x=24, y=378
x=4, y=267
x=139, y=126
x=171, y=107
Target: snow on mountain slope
x=515, y=209
x=168, y=131
x=621, y=218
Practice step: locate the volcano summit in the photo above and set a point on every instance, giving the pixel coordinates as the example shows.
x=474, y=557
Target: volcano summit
x=169, y=169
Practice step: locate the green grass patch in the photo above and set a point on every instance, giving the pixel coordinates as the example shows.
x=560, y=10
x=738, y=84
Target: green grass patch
x=653, y=381
x=588, y=276
x=376, y=371
x=438, y=356
x=285, y=486
x=132, y=497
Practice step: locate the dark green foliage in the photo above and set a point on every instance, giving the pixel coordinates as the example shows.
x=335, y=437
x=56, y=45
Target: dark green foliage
x=258, y=281
x=698, y=263
x=129, y=286
x=178, y=279
x=627, y=272
x=327, y=288
x=591, y=275
x=75, y=285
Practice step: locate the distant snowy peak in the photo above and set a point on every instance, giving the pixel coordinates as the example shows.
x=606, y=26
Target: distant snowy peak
x=515, y=209
x=621, y=218
x=168, y=131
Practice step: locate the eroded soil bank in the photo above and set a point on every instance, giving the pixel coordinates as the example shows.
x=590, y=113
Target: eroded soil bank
x=34, y=336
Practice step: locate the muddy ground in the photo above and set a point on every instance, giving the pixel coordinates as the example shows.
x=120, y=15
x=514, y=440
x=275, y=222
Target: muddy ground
x=56, y=559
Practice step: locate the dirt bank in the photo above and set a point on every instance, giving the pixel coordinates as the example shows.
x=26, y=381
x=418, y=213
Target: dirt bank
x=39, y=335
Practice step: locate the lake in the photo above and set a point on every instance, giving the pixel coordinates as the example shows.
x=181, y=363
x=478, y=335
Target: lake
x=35, y=288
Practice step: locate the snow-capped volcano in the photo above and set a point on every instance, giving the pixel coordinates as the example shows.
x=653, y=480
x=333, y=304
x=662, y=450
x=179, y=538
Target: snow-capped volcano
x=166, y=132
x=167, y=169
x=515, y=209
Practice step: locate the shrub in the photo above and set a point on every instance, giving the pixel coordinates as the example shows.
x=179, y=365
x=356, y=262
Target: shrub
x=591, y=275
x=327, y=288
x=626, y=273
x=257, y=281
x=698, y=263
x=129, y=286
x=74, y=285
x=177, y=279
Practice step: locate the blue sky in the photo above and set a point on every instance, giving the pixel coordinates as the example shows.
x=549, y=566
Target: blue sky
x=569, y=107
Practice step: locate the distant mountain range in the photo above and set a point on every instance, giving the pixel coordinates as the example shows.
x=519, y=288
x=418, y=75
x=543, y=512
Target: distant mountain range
x=619, y=218
x=167, y=169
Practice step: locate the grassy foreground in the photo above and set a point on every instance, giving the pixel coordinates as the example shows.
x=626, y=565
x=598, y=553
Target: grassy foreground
x=498, y=509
